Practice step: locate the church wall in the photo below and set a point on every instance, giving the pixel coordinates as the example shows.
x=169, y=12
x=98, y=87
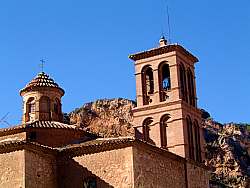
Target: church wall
x=152, y=169
x=12, y=170
x=111, y=169
x=40, y=170
x=198, y=177
x=56, y=138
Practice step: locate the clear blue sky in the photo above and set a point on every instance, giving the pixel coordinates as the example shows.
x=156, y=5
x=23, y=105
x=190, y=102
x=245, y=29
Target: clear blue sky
x=87, y=43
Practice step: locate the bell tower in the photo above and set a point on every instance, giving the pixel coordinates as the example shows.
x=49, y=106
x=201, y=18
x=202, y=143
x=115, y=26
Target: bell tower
x=42, y=100
x=166, y=114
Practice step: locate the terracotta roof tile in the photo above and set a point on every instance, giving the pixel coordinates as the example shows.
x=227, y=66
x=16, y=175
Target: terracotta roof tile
x=41, y=80
x=41, y=124
x=95, y=146
x=162, y=50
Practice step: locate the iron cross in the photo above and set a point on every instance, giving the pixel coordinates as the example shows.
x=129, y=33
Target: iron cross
x=42, y=64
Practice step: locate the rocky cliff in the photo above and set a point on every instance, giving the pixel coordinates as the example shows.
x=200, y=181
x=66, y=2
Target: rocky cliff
x=227, y=145
x=107, y=118
x=228, y=152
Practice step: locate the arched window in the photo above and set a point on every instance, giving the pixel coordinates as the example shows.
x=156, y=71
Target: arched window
x=146, y=128
x=163, y=130
x=30, y=108
x=57, y=106
x=147, y=84
x=183, y=82
x=191, y=96
x=197, y=141
x=164, y=81
x=44, y=104
x=190, y=138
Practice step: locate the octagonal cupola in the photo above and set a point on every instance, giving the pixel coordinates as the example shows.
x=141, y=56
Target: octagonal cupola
x=42, y=100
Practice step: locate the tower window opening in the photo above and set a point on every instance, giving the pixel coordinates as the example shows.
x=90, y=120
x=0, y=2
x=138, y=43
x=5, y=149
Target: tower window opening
x=45, y=104
x=191, y=91
x=163, y=131
x=164, y=81
x=146, y=129
x=183, y=85
x=197, y=141
x=31, y=105
x=147, y=84
x=57, y=106
x=190, y=138
x=30, y=109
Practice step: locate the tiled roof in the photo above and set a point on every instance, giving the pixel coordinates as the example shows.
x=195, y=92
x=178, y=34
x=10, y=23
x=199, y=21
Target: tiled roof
x=40, y=124
x=96, y=145
x=15, y=145
x=162, y=50
x=41, y=80
x=100, y=142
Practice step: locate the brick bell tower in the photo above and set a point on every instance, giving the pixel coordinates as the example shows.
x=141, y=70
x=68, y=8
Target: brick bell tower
x=166, y=114
x=42, y=100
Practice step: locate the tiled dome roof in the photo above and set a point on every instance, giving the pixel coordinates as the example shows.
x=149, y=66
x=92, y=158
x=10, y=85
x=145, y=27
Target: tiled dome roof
x=41, y=80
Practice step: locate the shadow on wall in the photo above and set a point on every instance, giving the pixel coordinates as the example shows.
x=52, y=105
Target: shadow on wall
x=71, y=175
x=140, y=136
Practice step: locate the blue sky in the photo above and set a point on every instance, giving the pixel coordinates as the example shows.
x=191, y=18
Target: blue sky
x=87, y=43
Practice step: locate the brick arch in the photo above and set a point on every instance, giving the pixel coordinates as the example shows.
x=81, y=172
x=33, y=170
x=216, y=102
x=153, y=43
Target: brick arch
x=30, y=108
x=164, y=80
x=57, y=106
x=147, y=77
x=146, y=128
x=163, y=130
x=45, y=108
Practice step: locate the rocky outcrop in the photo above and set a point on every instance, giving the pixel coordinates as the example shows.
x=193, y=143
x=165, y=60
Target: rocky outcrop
x=228, y=152
x=107, y=118
x=227, y=145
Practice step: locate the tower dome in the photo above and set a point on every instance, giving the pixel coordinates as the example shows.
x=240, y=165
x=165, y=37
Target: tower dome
x=42, y=100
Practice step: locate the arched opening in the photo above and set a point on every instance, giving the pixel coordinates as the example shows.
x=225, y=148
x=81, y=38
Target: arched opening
x=146, y=128
x=163, y=130
x=147, y=84
x=197, y=141
x=183, y=82
x=191, y=96
x=44, y=108
x=30, y=109
x=190, y=138
x=164, y=81
x=57, y=106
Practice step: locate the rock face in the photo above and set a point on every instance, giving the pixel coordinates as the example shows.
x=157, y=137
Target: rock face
x=228, y=152
x=108, y=118
x=227, y=146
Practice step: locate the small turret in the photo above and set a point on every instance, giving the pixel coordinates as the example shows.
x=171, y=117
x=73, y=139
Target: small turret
x=42, y=100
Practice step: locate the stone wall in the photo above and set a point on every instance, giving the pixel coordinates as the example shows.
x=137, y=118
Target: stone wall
x=197, y=177
x=12, y=170
x=40, y=170
x=153, y=170
x=110, y=169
